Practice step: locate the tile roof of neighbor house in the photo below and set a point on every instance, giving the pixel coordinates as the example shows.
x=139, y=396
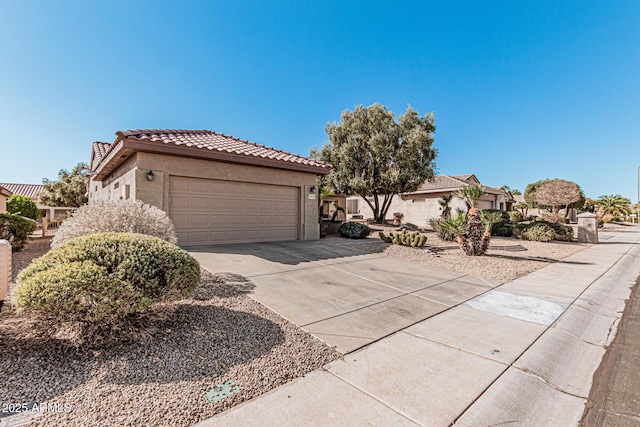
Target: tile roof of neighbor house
x=5, y=192
x=444, y=182
x=205, y=140
x=30, y=190
x=464, y=177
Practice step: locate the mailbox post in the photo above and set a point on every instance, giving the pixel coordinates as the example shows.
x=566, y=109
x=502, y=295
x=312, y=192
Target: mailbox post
x=587, y=228
x=5, y=270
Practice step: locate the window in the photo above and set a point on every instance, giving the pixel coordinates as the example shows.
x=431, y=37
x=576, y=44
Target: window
x=325, y=208
x=127, y=191
x=352, y=206
x=501, y=206
x=116, y=185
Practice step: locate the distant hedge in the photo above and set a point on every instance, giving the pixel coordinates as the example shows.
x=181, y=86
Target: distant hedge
x=16, y=229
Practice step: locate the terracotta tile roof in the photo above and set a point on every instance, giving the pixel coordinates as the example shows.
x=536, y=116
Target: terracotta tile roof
x=100, y=150
x=213, y=141
x=30, y=190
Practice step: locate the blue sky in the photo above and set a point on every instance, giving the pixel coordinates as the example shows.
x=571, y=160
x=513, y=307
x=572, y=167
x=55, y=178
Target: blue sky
x=522, y=90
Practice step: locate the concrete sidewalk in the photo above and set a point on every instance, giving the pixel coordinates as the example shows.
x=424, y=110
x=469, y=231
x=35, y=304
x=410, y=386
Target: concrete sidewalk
x=521, y=354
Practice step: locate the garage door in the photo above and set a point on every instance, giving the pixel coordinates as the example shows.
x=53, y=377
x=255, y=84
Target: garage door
x=208, y=211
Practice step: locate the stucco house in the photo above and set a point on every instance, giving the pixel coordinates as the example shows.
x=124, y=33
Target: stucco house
x=215, y=187
x=33, y=192
x=421, y=205
x=4, y=195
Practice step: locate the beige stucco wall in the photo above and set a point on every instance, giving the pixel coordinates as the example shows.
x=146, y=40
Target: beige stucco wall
x=120, y=185
x=134, y=173
x=3, y=203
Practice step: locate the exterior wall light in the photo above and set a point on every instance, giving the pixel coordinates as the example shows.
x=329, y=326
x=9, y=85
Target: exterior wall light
x=312, y=189
x=150, y=176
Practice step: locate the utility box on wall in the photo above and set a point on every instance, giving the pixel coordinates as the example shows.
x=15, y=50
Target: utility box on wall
x=5, y=269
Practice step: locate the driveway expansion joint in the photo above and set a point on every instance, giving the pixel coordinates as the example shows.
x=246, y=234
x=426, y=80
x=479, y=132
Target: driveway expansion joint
x=382, y=402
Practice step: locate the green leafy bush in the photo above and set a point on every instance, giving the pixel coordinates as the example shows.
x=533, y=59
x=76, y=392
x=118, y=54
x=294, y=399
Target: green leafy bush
x=504, y=227
x=22, y=205
x=16, y=229
x=105, y=277
x=116, y=216
x=542, y=231
x=354, y=230
x=515, y=216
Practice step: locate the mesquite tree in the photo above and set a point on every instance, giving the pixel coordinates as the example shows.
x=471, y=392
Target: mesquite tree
x=69, y=190
x=373, y=155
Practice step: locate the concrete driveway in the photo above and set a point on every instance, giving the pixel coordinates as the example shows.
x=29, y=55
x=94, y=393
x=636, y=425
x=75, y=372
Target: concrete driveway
x=346, y=297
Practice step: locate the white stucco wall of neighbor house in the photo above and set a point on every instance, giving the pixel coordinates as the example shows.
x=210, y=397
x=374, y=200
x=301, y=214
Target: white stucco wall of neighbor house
x=418, y=209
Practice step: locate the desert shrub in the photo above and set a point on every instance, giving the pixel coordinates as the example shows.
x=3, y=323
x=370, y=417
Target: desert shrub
x=542, y=231
x=102, y=278
x=116, y=216
x=22, y=205
x=502, y=228
x=397, y=218
x=447, y=228
x=515, y=216
x=354, y=230
x=16, y=229
x=606, y=218
x=553, y=217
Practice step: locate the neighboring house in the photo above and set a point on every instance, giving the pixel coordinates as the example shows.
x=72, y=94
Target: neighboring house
x=216, y=188
x=330, y=205
x=33, y=192
x=421, y=205
x=4, y=195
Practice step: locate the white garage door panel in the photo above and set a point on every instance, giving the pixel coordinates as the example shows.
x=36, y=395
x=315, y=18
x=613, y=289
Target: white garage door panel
x=207, y=211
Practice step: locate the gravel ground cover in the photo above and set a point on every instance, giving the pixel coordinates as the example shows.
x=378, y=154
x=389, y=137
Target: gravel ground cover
x=218, y=334
x=507, y=258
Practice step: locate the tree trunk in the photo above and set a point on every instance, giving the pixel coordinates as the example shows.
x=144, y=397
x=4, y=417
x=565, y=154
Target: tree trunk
x=385, y=206
x=373, y=208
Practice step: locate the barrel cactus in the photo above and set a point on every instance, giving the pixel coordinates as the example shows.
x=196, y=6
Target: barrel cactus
x=404, y=238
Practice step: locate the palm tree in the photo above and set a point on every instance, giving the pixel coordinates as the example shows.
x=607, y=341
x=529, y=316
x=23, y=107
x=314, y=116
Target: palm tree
x=471, y=194
x=444, y=202
x=615, y=205
x=476, y=239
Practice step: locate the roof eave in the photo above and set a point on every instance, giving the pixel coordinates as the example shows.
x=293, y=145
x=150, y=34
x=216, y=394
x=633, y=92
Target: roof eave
x=130, y=146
